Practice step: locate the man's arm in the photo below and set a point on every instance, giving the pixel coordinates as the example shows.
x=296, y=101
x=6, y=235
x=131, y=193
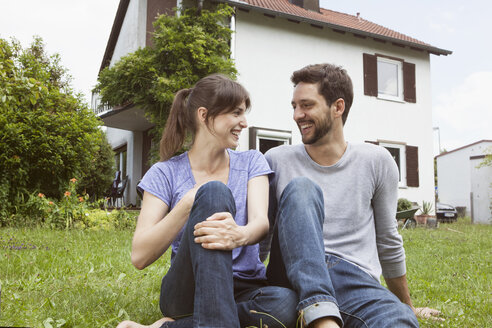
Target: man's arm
x=399, y=287
x=390, y=243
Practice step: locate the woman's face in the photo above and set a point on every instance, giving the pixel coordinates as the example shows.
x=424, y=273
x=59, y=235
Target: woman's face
x=227, y=127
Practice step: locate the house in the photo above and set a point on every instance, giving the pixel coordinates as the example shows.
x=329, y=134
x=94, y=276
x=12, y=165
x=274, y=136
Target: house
x=461, y=182
x=272, y=38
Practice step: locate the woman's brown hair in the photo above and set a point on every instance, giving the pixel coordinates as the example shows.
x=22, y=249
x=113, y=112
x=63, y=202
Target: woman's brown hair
x=216, y=92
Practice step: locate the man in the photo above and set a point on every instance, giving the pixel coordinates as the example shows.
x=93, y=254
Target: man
x=334, y=203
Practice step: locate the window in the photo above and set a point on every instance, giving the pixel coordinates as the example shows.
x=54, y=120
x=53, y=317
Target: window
x=390, y=82
x=265, y=139
x=389, y=78
x=407, y=160
x=398, y=153
x=120, y=160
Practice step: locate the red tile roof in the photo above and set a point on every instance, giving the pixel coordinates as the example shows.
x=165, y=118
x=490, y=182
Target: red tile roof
x=332, y=19
x=336, y=20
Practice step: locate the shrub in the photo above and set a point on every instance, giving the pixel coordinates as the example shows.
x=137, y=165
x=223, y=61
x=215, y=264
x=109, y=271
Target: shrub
x=403, y=204
x=47, y=133
x=98, y=219
x=72, y=211
x=98, y=176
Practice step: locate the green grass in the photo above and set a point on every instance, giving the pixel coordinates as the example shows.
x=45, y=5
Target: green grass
x=82, y=278
x=85, y=278
x=450, y=269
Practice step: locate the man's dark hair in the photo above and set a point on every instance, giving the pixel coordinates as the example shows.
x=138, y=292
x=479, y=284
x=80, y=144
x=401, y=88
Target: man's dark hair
x=333, y=83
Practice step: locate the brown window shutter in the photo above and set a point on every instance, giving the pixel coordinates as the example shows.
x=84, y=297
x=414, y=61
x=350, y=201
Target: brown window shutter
x=370, y=75
x=412, y=166
x=372, y=142
x=409, y=93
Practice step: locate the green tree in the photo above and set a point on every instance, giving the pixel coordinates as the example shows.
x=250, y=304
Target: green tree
x=48, y=135
x=185, y=48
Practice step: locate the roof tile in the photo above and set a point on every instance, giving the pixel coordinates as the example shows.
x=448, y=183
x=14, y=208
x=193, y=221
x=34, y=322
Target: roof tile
x=333, y=17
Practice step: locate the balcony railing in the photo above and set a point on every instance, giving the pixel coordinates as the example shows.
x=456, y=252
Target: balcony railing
x=97, y=106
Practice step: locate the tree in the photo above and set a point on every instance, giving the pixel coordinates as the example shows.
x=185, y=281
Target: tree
x=48, y=135
x=185, y=48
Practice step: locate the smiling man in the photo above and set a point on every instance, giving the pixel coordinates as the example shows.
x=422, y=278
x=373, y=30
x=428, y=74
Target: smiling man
x=334, y=206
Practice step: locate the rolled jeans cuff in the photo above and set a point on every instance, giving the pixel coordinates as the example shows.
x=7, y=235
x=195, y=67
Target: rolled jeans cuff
x=321, y=310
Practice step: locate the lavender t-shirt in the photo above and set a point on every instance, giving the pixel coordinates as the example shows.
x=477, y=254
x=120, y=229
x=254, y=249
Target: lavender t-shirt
x=171, y=180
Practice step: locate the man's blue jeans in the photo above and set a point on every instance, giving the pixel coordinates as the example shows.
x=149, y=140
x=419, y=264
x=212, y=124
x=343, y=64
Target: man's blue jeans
x=199, y=289
x=326, y=284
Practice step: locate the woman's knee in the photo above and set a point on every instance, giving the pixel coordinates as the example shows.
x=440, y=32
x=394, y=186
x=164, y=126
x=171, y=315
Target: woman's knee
x=214, y=188
x=212, y=197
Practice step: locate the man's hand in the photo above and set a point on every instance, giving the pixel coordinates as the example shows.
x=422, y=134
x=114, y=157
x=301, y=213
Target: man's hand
x=219, y=231
x=427, y=313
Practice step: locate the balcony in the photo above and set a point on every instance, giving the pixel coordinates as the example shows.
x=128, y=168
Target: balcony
x=126, y=117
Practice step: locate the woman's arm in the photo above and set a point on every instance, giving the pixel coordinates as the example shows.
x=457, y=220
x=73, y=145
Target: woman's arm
x=156, y=228
x=220, y=231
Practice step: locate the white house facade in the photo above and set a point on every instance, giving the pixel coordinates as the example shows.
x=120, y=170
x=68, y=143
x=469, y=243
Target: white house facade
x=462, y=182
x=272, y=38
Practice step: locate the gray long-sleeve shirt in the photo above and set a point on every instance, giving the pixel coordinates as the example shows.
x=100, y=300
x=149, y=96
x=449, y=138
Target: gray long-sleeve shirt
x=360, y=195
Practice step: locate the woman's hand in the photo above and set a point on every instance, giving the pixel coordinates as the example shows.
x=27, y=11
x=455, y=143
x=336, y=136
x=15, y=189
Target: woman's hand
x=220, y=231
x=189, y=197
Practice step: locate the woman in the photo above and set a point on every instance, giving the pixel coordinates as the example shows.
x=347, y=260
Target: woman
x=210, y=204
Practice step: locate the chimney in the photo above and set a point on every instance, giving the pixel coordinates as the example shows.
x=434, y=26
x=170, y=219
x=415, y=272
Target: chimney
x=312, y=5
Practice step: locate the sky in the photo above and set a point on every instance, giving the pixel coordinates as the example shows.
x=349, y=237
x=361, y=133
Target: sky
x=461, y=82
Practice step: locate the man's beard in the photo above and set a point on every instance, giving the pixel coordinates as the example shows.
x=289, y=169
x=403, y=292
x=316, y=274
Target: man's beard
x=321, y=128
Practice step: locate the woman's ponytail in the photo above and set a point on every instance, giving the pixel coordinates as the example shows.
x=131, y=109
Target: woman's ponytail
x=217, y=93
x=177, y=126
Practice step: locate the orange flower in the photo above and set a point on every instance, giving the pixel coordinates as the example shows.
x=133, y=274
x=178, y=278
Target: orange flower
x=81, y=199
x=67, y=193
x=40, y=195
x=16, y=157
x=50, y=203
x=73, y=180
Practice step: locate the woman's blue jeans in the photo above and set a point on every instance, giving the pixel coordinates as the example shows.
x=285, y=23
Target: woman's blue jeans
x=327, y=285
x=199, y=289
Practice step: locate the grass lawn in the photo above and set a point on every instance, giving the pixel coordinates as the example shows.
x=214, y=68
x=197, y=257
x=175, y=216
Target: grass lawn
x=85, y=278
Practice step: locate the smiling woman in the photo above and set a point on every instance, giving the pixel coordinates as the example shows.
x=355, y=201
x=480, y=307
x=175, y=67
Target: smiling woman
x=210, y=205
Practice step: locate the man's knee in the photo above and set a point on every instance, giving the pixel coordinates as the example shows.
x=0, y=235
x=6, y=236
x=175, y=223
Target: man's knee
x=302, y=190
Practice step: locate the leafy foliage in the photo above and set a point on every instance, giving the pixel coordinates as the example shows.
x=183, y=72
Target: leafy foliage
x=71, y=211
x=487, y=161
x=185, y=48
x=47, y=133
x=403, y=204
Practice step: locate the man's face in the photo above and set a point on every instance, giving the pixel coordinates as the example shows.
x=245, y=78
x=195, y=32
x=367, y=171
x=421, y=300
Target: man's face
x=311, y=113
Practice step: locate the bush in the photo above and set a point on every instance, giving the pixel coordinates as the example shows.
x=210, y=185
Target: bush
x=403, y=205
x=99, y=175
x=72, y=211
x=98, y=219
x=47, y=133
